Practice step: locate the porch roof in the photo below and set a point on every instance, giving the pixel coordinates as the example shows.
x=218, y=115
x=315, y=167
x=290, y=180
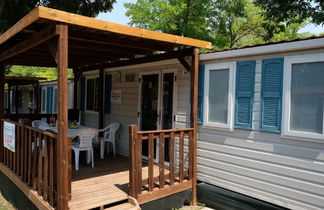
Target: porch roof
x=92, y=42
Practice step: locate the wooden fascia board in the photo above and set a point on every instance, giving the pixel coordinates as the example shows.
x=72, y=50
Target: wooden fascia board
x=147, y=59
x=69, y=18
x=29, y=43
x=20, y=25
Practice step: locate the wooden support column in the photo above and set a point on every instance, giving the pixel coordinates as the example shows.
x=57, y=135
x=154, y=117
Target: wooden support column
x=132, y=161
x=2, y=113
x=194, y=117
x=101, y=97
x=62, y=118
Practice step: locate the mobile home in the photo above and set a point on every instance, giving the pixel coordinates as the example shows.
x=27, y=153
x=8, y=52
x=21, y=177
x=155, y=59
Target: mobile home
x=261, y=127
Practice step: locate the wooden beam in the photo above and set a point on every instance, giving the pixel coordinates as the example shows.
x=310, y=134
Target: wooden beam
x=20, y=25
x=52, y=47
x=29, y=43
x=119, y=44
x=62, y=121
x=101, y=97
x=194, y=117
x=69, y=18
x=184, y=63
x=146, y=59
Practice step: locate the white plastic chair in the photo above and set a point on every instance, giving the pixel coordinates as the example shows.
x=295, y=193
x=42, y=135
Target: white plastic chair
x=40, y=124
x=85, y=144
x=108, y=137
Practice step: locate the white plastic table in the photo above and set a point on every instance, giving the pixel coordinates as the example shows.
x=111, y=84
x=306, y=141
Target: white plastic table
x=71, y=131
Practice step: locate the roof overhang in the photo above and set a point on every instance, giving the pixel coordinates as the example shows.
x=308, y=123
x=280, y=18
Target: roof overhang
x=91, y=42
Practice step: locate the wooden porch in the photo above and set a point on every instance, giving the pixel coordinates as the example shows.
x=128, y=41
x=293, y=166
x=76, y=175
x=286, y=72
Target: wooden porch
x=40, y=163
x=101, y=186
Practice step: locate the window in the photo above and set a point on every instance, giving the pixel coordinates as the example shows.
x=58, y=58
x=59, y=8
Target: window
x=218, y=97
x=304, y=96
x=92, y=94
x=55, y=101
x=43, y=99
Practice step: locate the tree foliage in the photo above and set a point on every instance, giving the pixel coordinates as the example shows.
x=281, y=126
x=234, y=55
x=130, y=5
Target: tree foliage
x=284, y=13
x=11, y=11
x=28, y=71
x=180, y=17
x=226, y=23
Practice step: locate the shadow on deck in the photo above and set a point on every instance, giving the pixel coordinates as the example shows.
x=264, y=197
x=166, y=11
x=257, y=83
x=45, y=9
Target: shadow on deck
x=105, y=184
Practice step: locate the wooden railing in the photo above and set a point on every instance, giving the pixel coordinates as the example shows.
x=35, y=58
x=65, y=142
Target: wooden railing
x=34, y=160
x=162, y=175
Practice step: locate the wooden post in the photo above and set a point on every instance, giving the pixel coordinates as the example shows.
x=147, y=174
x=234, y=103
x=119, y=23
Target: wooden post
x=62, y=118
x=101, y=97
x=194, y=117
x=2, y=83
x=132, y=160
x=75, y=89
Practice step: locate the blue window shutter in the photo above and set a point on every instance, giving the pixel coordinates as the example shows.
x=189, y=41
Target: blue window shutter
x=244, y=94
x=108, y=81
x=82, y=93
x=271, y=94
x=49, y=100
x=201, y=78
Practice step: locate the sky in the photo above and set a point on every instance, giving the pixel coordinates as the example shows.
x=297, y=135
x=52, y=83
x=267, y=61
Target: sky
x=117, y=15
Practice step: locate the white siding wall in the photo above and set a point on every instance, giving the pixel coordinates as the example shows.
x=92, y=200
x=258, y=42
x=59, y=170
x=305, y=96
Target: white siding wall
x=126, y=112
x=263, y=165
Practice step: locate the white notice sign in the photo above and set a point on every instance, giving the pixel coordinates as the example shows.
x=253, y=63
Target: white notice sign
x=116, y=96
x=9, y=136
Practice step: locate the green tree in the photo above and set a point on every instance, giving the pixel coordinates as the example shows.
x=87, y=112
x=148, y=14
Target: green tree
x=29, y=71
x=235, y=22
x=180, y=17
x=11, y=11
x=226, y=23
x=281, y=14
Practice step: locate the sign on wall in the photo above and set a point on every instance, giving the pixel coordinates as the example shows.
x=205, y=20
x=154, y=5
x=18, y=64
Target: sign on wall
x=116, y=96
x=9, y=136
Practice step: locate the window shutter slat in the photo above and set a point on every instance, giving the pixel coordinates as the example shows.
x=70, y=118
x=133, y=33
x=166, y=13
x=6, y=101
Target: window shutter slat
x=201, y=77
x=108, y=81
x=271, y=94
x=82, y=94
x=245, y=77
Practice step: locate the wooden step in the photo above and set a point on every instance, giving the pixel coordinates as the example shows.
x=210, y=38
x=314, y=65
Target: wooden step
x=124, y=206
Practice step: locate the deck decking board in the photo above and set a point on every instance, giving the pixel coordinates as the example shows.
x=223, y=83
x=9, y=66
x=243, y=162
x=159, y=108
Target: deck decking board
x=105, y=184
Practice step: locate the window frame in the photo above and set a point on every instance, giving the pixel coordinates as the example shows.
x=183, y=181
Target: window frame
x=229, y=126
x=288, y=62
x=94, y=77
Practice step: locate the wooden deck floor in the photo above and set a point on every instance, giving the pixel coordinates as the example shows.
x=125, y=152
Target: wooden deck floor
x=105, y=184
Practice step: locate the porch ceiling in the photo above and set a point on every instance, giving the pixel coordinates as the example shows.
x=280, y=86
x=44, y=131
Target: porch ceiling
x=91, y=42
